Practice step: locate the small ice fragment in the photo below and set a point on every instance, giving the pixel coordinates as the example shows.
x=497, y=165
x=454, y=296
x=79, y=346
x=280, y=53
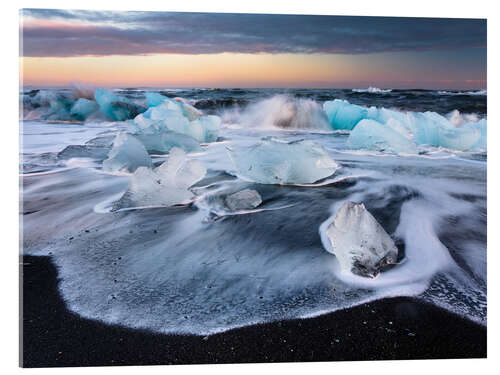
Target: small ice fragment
x=274, y=162
x=83, y=151
x=359, y=242
x=127, y=154
x=243, y=200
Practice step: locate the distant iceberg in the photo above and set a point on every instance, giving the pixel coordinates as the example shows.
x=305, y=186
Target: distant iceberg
x=275, y=162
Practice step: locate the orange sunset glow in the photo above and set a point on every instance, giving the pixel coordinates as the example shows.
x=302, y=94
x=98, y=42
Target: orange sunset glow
x=180, y=51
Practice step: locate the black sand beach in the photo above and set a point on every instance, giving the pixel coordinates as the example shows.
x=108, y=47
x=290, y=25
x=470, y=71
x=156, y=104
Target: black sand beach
x=397, y=328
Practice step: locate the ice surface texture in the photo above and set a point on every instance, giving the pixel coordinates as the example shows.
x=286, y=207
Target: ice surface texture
x=274, y=162
x=370, y=134
x=168, y=184
x=163, y=141
x=358, y=241
x=127, y=154
x=342, y=115
x=83, y=108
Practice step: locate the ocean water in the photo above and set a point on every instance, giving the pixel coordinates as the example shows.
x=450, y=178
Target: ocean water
x=184, y=269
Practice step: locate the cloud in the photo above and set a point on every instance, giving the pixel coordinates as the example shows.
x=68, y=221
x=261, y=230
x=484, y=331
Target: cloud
x=79, y=33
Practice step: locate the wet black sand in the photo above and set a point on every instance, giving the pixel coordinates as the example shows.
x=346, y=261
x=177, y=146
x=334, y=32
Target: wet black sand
x=396, y=328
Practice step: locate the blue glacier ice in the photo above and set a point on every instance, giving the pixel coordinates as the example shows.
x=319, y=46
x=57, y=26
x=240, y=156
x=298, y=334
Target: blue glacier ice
x=83, y=108
x=461, y=138
x=170, y=116
x=48, y=105
x=209, y=125
x=188, y=110
x=153, y=99
x=160, y=118
x=418, y=128
x=342, y=115
x=127, y=154
x=276, y=162
x=480, y=145
x=115, y=107
x=372, y=135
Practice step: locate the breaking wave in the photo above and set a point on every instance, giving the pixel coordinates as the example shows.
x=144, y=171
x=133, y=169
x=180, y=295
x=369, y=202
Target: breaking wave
x=373, y=90
x=478, y=92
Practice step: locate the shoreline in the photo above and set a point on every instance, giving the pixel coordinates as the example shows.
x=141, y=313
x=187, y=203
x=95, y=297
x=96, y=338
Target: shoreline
x=387, y=329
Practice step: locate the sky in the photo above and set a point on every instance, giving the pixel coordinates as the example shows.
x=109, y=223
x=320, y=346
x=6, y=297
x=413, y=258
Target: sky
x=165, y=49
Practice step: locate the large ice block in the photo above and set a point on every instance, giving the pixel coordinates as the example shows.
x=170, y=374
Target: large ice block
x=169, y=116
x=168, y=184
x=359, y=242
x=275, y=162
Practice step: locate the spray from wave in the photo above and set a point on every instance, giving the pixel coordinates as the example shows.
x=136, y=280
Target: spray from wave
x=284, y=112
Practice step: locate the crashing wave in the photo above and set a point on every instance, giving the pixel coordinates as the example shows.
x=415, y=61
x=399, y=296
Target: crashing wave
x=281, y=111
x=373, y=90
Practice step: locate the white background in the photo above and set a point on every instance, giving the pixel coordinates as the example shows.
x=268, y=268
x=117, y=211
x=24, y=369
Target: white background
x=9, y=138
